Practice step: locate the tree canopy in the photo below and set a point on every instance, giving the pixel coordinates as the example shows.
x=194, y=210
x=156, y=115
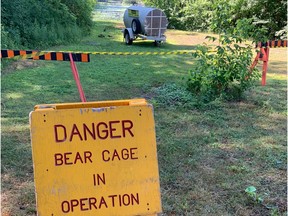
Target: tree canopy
x=196, y=15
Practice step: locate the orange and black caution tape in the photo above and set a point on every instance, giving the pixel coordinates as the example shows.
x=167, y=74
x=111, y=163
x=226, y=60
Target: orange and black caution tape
x=272, y=44
x=77, y=55
x=44, y=55
x=176, y=52
x=81, y=56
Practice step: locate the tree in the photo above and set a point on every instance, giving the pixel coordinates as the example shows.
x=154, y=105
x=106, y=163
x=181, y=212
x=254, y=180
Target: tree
x=37, y=24
x=269, y=13
x=197, y=14
x=82, y=10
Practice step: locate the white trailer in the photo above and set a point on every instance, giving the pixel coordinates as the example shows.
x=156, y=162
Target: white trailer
x=145, y=23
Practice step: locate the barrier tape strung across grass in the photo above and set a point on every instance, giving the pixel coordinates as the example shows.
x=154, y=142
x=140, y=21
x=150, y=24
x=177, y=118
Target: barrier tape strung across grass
x=84, y=56
x=272, y=44
x=179, y=52
x=20, y=54
x=77, y=55
x=44, y=55
x=80, y=56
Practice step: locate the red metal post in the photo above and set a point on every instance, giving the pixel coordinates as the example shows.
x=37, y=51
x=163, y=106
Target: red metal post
x=262, y=55
x=255, y=62
x=77, y=79
x=265, y=58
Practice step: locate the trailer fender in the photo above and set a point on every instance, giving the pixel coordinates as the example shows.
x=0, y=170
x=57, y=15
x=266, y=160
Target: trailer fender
x=129, y=31
x=127, y=38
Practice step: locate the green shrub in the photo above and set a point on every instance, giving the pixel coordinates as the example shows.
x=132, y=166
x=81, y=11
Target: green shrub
x=7, y=40
x=224, y=73
x=36, y=24
x=82, y=11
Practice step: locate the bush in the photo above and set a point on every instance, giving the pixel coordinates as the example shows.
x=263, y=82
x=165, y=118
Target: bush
x=224, y=73
x=6, y=39
x=36, y=24
x=82, y=11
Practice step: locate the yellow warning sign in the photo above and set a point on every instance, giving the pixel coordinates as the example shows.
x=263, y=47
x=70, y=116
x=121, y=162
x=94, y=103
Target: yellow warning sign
x=95, y=158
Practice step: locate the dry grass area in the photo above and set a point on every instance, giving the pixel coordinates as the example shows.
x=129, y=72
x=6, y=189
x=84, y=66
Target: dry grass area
x=188, y=38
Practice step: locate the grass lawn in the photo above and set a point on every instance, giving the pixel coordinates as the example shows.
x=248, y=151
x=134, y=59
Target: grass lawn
x=208, y=155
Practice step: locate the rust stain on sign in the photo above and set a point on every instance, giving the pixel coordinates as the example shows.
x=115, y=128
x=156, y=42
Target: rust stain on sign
x=99, y=160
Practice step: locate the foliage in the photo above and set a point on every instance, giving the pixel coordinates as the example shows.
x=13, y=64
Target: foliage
x=36, y=24
x=271, y=13
x=226, y=72
x=197, y=14
x=222, y=22
x=282, y=34
x=251, y=192
x=184, y=14
x=81, y=9
x=6, y=40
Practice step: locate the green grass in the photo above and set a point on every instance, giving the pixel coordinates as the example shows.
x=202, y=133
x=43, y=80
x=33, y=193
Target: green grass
x=208, y=154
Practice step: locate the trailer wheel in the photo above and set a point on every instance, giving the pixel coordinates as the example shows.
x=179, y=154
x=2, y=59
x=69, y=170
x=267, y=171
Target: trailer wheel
x=157, y=43
x=136, y=26
x=128, y=40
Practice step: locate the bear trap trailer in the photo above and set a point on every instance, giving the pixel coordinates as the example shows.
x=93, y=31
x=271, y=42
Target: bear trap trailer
x=145, y=23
